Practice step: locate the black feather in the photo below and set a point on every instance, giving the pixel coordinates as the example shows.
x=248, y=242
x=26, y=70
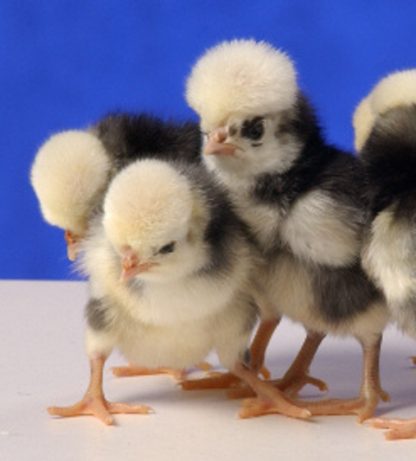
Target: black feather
x=224, y=227
x=129, y=137
x=389, y=156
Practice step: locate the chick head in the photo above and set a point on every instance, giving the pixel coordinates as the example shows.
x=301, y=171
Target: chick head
x=243, y=90
x=149, y=215
x=394, y=90
x=69, y=173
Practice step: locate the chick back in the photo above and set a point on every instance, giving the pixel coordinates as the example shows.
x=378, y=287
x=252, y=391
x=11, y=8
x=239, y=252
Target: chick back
x=129, y=137
x=389, y=156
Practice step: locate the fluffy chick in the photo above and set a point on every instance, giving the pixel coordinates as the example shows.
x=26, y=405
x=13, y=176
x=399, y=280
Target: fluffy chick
x=72, y=169
x=385, y=134
x=169, y=266
x=301, y=199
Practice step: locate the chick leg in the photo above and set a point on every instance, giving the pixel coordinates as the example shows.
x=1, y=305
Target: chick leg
x=94, y=403
x=228, y=380
x=260, y=343
x=269, y=399
x=371, y=391
x=176, y=374
x=297, y=376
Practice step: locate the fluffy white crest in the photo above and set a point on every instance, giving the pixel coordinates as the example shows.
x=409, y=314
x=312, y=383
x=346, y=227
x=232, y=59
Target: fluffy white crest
x=240, y=77
x=149, y=203
x=362, y=121
x=69, y=170
x=397, y=89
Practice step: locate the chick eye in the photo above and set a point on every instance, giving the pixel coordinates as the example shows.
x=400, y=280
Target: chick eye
x=253, y=129
x=169, y=248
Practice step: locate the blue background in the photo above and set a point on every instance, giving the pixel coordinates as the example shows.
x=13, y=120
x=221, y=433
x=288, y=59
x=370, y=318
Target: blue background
x=64, y=64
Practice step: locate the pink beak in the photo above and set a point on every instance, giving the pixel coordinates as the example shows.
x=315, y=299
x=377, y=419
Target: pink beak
x=216, y=144
x=131, y=266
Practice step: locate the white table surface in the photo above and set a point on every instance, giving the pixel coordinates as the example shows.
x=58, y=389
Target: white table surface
x=42, y=363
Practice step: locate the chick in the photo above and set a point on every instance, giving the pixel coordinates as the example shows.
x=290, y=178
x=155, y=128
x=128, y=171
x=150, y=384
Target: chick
x=301, y=199
x=169, y=265
x=72, y=169
x=385, y=135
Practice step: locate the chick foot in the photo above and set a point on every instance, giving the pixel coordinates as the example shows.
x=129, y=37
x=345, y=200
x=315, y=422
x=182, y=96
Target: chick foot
x=398, y=429
x=363, y=407
x=176, y=374
x=94, y=403
x=371, y=392
x=218, y=380
x=214, y=381
x=254, y=407
x=290, y=385
x=131, y=370
x=98, y=406
x=269, y=399
x=297, y=376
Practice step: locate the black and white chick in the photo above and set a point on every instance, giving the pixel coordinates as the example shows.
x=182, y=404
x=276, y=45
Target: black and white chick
x=72, y=169
x=301, y=199
x=385, y=136
x=169, y=265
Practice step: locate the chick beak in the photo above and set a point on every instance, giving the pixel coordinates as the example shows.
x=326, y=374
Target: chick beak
x=72, y=245
x=131, y=266
x=216, y=144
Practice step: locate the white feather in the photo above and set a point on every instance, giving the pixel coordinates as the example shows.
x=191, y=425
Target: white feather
x=319, y=231
x=240, y=77
x=396, y=89
x=388, y=257
x=68, y=174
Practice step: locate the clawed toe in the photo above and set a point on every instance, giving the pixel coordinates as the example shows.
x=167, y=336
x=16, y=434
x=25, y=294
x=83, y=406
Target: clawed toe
x=397, y=429
x=130, y=371
x=293, y=385
x=100, y=408
x=255, y=407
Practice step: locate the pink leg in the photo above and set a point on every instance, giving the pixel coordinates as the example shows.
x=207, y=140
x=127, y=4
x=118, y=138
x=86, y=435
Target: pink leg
x=94, y=403
x=297, y=376
x=371, y=391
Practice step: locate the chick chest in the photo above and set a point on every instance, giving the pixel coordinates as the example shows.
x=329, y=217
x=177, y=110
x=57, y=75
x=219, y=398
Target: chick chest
x=179, y=346
x=174, y=302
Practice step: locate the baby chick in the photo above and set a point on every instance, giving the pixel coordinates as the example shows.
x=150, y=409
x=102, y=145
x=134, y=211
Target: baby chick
x=385, y=135
x=301, y=199
x=72, y=169
x=169, y=265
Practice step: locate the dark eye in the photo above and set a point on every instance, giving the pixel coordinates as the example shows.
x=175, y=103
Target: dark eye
x=253, y=129
x=169, y=248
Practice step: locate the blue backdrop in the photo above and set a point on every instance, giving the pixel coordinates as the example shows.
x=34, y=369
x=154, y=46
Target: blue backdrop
x=66, y=63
